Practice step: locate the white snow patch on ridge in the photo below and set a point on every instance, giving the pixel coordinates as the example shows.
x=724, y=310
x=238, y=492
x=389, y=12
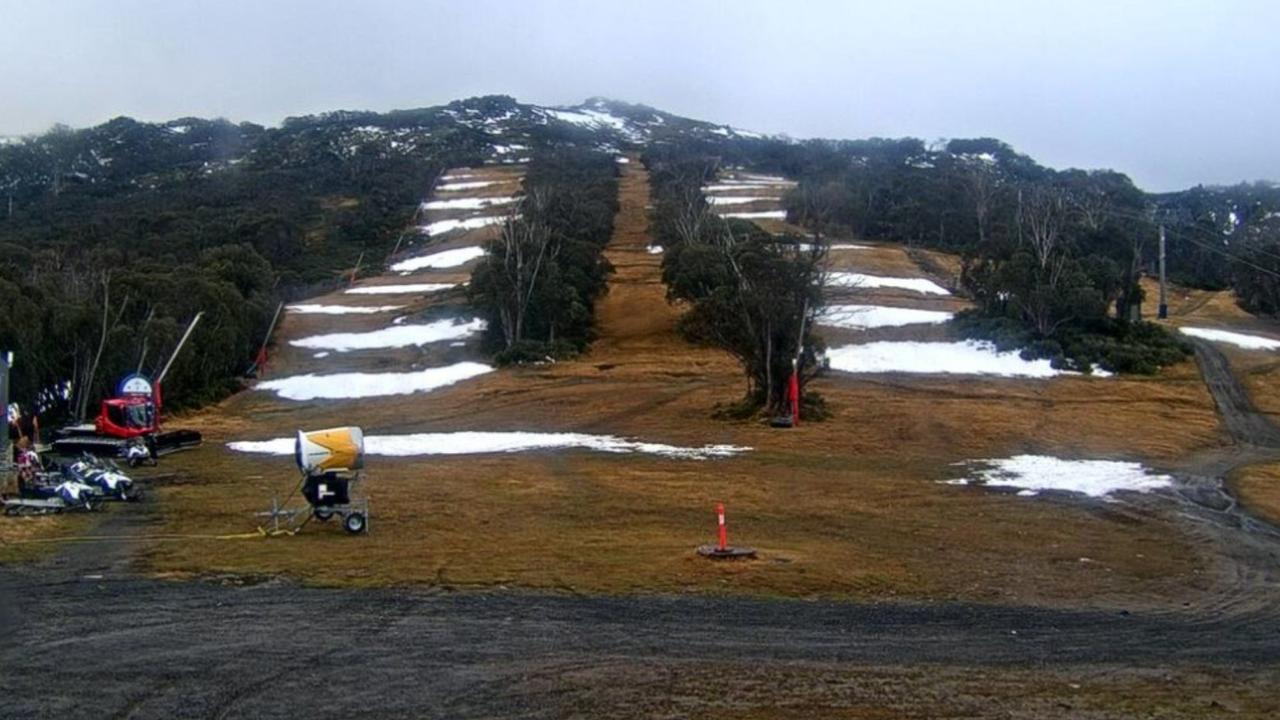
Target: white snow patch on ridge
x=861, y=280
x=475, y=203
x=1249, y=342
x=442, y=259
x=469, y=185
x=970, y=357
x=731, y=186
x=740, y=200
x=400, y=289
x=1033, y=474
x=806, y=247
x=441, y=227
x=317, y=309
x=396, y=336
x=364, y=385
x=862, y=317
x=477, y=443
x=766, y=215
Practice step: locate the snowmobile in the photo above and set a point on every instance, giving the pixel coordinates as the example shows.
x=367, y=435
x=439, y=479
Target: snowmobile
x=104, y=478
x=128, y=426
x=46, y=492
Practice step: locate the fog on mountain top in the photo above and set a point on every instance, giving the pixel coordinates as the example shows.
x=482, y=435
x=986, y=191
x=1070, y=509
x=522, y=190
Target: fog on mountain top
x=1173, y=94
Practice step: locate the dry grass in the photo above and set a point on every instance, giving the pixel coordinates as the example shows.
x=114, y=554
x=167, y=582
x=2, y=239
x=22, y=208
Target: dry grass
x=846, y=508
x=841, y=692
x=1258, y=488
x=24, y=539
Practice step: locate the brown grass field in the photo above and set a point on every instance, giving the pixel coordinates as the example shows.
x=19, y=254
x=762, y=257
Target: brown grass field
x=847, y=508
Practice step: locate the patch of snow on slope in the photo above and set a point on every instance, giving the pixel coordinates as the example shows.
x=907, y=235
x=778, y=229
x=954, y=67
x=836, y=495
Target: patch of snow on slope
x=1249, y=342
x=442, y=259
x=478, y=443
x=440, y=227
x=1033, y=474
x=364, y=385
x=861, y=280
x=467, y=203
x=739, y=186
x=765, y=215
x=806, y=247
x=862, y=317
x=471, y=185
x=597, y=119
x=969, y=357
x=396, y=336
x=400, y=289
x=740, y=200
x=316, y=309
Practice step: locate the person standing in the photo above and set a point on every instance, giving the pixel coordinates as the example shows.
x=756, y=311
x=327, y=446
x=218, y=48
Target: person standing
x=29, y=427
x=25, y=426
x=14, y=433
x=28, y=465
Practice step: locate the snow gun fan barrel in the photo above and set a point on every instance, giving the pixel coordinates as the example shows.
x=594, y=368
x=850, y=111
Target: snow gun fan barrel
x=332, y=464
x=332, y=450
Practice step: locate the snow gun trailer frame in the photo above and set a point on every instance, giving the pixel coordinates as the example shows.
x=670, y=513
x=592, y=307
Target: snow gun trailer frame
x=332, y=463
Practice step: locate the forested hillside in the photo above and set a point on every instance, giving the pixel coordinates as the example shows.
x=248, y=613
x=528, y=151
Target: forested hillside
x=113, y=237
x=1052, y=258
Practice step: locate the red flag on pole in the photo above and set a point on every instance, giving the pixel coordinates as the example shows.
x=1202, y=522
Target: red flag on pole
x=261, y=361
x=793, y=397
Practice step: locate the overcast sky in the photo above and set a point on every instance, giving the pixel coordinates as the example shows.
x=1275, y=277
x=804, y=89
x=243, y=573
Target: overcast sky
x=1173, y=93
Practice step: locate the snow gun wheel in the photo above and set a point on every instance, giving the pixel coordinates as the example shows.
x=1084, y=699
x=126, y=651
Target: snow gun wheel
x=354, y=523
x=323, y=514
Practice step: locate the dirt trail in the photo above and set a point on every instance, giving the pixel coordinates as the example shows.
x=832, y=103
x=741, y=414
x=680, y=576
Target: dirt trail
x=160, y=649
x=634, y=317
x=1241, y=418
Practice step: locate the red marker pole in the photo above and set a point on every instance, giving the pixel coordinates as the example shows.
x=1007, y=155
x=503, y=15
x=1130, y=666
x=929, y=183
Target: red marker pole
x=793, y=394
x=724, y=531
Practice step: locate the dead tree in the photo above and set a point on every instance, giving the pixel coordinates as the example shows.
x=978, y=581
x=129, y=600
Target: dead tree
x=981, y=185
x=1042, y=216
x=525, y=246
x=84, y=382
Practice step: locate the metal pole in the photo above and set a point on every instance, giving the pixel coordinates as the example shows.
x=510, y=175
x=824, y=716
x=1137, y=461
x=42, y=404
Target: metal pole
x=356, y=271
x=183, y=341
x=271, y=329
x=5, y=452
x=1163, y=312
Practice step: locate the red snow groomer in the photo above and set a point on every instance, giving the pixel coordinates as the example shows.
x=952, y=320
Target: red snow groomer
x=128, y=425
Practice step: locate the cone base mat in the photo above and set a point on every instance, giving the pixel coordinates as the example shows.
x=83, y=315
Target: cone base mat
x=729, y=553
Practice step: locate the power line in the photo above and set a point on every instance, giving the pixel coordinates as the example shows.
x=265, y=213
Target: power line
x=1212, y=248
x=1207, y=233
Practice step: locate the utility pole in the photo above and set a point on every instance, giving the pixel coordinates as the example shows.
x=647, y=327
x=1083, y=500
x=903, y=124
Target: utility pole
x=5, y=453
x=1163, y=312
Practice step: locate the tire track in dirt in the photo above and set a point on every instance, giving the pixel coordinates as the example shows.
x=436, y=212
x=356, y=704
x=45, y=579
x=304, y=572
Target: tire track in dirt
x=1243, y=551
x=277, y=650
